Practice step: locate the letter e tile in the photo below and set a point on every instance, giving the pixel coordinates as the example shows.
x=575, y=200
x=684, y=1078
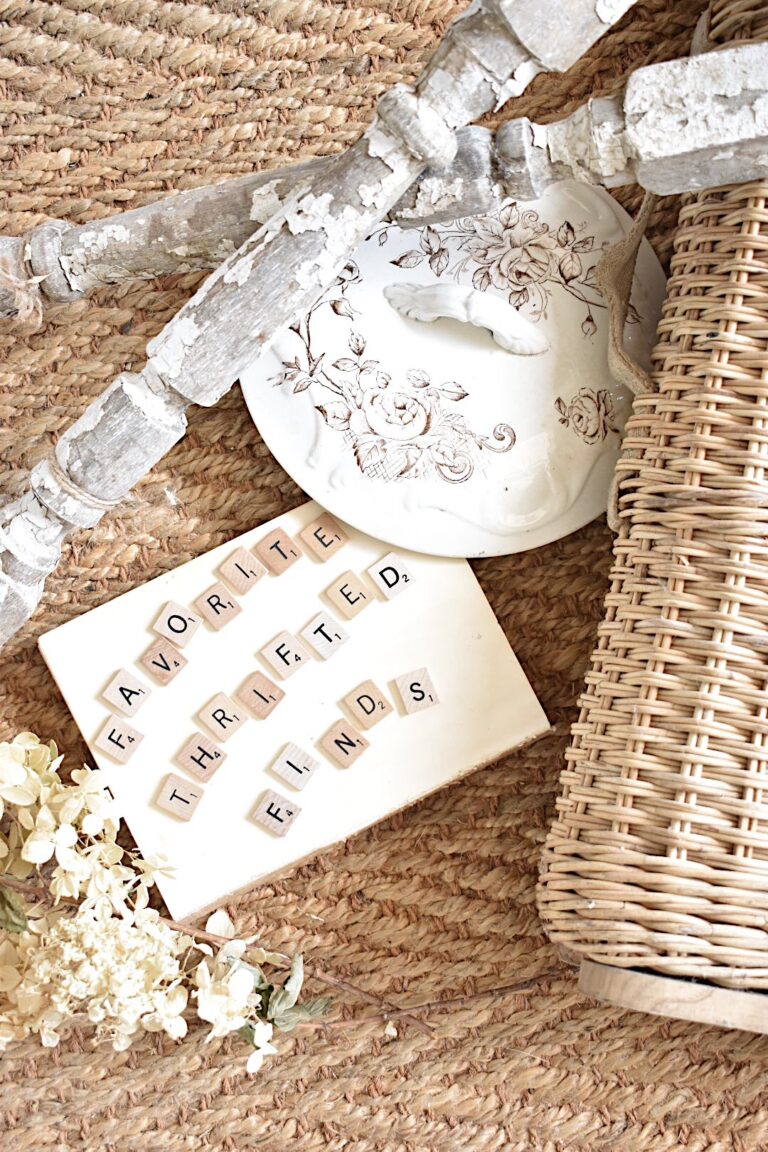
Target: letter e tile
x=285, y=654
x=390, y=575
x=278, y=551
x=218, y=606
x=275, y=813
x=349, y=594
x=201, y=756
x=163, y=661
x=177, y=623
x=118, y=739
x=367, y=704
x=295, y=766
x=242, y=570
x=178, y=797
x=222, y=717
x=325, y=635
x=125, y=693
x=343, y=744
x=323, y=537
x=417, y=691
x=260, y=695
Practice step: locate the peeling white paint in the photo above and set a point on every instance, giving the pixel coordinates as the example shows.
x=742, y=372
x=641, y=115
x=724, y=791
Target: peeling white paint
x=518, y=82
x=609, y=11
x=167, y=351
x=434, y=194
x=265, y=201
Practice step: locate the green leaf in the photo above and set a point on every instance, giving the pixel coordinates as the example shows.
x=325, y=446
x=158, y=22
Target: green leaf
x=286, y=1021
x=13, y=916
x=286, y=997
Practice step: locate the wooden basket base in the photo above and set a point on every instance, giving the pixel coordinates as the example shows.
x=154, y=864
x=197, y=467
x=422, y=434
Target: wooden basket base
x=682, y=999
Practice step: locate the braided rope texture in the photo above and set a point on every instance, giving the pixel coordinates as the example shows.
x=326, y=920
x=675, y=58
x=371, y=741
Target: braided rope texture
x=103, y=105
x=659, y=857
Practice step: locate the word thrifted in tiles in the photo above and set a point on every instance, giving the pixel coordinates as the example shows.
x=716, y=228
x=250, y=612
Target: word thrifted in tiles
x=284, y=648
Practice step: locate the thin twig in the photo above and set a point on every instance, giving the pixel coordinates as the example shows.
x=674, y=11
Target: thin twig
x=386, y=1008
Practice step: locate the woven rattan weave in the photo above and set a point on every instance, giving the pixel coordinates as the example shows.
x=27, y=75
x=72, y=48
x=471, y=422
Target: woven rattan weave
x=659, y=855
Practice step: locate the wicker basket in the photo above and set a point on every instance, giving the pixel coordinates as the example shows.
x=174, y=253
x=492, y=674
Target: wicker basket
x=656, y=867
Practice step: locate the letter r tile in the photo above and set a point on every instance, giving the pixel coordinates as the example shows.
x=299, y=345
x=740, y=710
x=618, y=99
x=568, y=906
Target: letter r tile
x=222, y=717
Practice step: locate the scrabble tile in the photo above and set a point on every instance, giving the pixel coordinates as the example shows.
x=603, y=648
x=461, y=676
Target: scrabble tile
x=178, y=797
x=163, y=661
x=343, y=743
x=277, y=551
x=125, y=693
x=349, y=594
x=367, y=704
x=217, y=606
x=323, y=537
x=201, y=756
x=260, y=695
x=177, y=623
x=242, y=570
x=390, y=575
x=222, y=717
x=285, y=654
x=295, y=766
x=275, y=813
x=417, y=691
x=118, y=739
x=324, y=635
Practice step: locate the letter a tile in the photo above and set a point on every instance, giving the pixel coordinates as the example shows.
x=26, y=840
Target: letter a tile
x=125, y=693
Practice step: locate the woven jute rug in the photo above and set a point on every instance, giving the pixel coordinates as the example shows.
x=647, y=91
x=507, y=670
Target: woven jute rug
x=104, y=104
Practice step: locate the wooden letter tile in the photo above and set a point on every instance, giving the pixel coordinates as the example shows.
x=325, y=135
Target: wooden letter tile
x=118, y=739
x=323, y=537
x=390, y=575
x=163, y=661
x=285, y=654
x=349, y=595
x=277, y=551
x=325, y=635
x=275, y=813
x=178, y=797
x=125, y=693
x=222, y=717
x=260, y=695
x=295, y=766
x=343, y=743
x=367, y=704
x=242, y=570
x=417, y=691
x=177, y=623
x=218, y=606
x=201, y=756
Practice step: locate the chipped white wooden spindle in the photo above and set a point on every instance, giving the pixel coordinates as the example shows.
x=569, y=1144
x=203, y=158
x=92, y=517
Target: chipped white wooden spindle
x=276, y=274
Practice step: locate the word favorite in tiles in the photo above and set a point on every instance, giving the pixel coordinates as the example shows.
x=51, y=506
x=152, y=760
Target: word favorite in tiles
x=275, y=813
